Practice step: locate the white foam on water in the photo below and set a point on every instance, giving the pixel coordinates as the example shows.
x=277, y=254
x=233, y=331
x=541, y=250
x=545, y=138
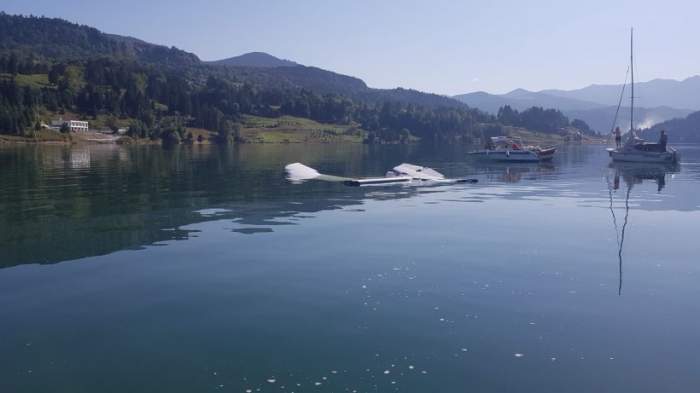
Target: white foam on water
x=298, y=172
x=212, y=212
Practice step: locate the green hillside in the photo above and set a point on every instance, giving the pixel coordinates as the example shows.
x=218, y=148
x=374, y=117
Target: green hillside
x=50, y=67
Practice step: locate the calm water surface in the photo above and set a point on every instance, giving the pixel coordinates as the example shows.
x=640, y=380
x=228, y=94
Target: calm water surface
x=197, y=269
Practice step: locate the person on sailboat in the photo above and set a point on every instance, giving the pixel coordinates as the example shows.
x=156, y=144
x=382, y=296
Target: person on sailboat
x=663, y=140
x=618, y=137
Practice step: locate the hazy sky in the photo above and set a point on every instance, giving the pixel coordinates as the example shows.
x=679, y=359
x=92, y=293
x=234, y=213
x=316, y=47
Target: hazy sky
x=447, y=47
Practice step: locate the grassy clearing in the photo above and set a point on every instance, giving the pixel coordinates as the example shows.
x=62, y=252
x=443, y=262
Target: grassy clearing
x=34, y=80
x=289, y=129
x=41, y=136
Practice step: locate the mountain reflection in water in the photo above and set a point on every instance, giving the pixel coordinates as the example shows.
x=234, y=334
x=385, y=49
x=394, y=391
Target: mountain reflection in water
x=62, y=203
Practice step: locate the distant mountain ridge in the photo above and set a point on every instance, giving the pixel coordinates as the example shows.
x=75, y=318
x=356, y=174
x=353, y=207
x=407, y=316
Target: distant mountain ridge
x=255, y=59
x=683, y=94
x=522, y=99
x=657, y=101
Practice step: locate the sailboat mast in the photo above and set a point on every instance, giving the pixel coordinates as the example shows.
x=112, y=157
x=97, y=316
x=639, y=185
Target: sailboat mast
x=632, y=70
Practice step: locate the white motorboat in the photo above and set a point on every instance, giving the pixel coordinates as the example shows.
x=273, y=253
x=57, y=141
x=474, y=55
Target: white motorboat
x=404, y=173
x=509, y=149
x=637, y=149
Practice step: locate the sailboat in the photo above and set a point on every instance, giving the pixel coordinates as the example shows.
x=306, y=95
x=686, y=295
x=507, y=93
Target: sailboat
x=636, y=149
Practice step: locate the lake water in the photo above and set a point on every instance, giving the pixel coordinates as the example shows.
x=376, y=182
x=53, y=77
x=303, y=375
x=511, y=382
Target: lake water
x=199, y=269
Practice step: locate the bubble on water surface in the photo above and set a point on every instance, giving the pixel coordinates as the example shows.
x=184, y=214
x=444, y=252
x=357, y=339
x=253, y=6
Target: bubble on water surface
x=212, y=212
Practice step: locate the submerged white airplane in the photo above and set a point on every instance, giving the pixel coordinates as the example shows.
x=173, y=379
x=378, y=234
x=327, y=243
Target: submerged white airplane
x=401, y=174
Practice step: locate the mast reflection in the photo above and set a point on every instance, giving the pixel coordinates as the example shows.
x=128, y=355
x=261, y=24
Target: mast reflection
x=632, y=174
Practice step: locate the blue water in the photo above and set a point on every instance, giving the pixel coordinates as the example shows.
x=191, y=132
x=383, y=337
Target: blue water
x=137, y=269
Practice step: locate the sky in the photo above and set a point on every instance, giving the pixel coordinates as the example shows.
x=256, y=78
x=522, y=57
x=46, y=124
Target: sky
x=444, y=47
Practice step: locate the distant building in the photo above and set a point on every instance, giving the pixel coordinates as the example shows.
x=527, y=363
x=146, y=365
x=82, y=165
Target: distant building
x=73, y=125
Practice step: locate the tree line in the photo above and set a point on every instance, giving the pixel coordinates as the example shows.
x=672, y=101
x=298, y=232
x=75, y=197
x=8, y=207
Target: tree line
x=161, y=101
x=540, y=119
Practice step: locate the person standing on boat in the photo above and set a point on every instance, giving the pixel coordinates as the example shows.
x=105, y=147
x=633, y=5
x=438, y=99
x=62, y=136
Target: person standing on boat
x=663, y=140
x=618, y=137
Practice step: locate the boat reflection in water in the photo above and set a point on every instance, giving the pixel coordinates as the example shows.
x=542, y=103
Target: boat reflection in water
x=515, y=172
x=632, y=174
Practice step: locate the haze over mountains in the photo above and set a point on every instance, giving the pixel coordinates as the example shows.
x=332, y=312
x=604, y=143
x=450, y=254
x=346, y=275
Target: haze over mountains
x=683, y=94
x=656, y=101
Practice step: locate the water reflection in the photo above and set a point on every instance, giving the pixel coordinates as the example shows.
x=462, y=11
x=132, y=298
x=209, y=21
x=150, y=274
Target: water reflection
x=632, y=174
x=63, y=203
x=516, y=172
x=636, y=173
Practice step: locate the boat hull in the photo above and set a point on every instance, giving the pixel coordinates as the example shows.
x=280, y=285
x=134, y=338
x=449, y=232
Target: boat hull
x=515, y=155
x=641, y=156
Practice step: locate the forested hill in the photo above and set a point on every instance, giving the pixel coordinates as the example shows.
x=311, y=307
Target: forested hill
x=53, y=39
x=50, y=67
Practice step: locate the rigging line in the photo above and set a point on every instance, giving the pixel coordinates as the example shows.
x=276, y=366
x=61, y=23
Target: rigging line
x=619, y=103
